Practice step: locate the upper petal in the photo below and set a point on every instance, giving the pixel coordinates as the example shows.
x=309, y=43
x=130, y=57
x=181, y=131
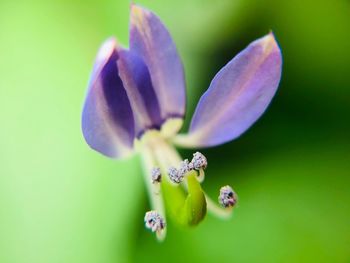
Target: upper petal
x=238, y=95
x=152, y=42
x=137, y=83
x=107, y=118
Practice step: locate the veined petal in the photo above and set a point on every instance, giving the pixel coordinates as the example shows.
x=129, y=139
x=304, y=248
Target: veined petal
x=238, y=95
x=107, y=119
x=138, y=86
x=152, y=42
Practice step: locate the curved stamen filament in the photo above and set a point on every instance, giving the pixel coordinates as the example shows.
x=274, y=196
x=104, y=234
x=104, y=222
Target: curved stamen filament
x=217, y=210
x=201, y=175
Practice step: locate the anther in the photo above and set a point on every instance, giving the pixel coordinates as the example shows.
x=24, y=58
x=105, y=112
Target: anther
x=154, y=221
x=199, y=161
x=156, y=175
x=227, y=197
x=174, y=175
x=185, y=167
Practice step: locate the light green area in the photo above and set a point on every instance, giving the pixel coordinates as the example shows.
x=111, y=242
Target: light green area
x=185, y=209
x=62, y=202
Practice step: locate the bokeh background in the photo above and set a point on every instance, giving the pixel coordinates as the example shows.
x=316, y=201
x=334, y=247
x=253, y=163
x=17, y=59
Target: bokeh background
x=62, y=202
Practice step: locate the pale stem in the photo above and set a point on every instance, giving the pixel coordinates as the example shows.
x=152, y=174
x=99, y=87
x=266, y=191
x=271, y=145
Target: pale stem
x=154, y=190
x=166, y=155
x=169, y=153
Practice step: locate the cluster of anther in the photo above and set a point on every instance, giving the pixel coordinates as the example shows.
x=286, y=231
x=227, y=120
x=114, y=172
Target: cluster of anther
x=156, y=176
x=198, y=162
x=154, y=221
x=227, y=197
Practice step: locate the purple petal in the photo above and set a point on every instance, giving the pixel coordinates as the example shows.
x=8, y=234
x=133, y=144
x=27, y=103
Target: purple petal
x=138, y=86
x=107, y=119
x=152, y=42
x=238, y=95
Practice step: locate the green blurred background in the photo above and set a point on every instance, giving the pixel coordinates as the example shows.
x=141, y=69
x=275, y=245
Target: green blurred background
x=62, y=202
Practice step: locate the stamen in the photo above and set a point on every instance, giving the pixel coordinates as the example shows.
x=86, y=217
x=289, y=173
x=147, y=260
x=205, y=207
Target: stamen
x=175, y=175
x=199, y=161
x=156, y=175
x=154, y=221
x=227, y=197
x=154, y=190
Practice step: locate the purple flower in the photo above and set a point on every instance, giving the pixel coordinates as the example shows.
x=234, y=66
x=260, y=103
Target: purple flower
x=136, y=103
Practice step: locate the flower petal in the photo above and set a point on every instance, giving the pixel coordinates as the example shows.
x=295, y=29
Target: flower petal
x=153, y=43
x=107, y=119
x=238, y=95
x=138, y=86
